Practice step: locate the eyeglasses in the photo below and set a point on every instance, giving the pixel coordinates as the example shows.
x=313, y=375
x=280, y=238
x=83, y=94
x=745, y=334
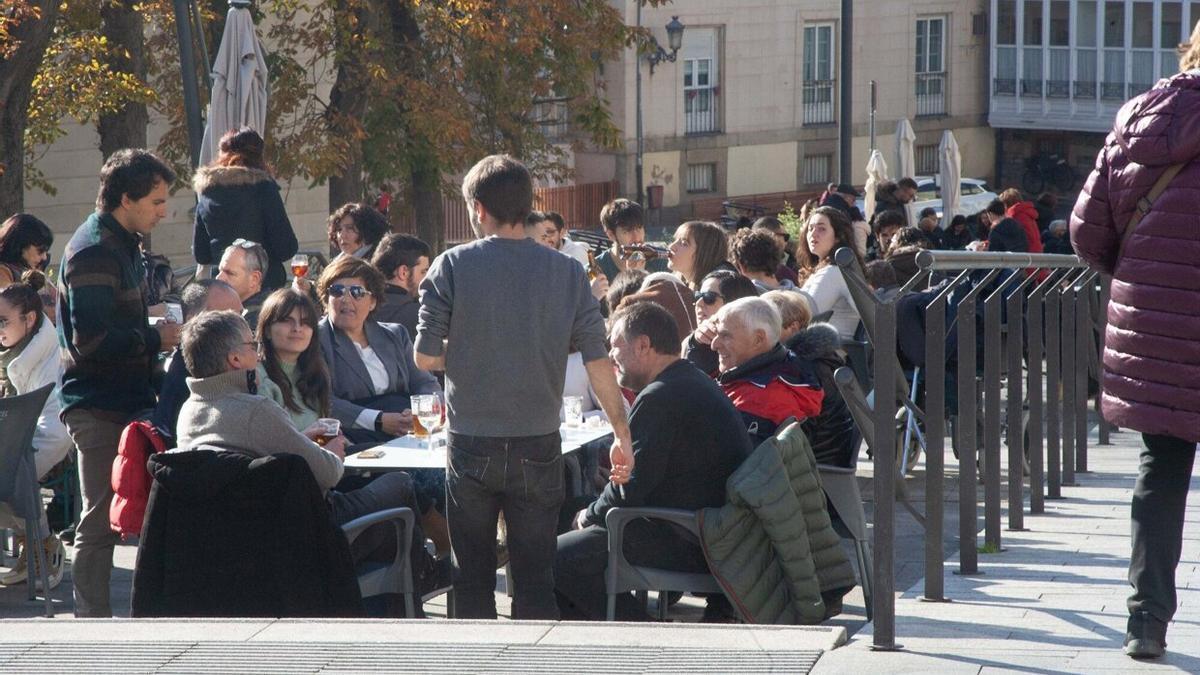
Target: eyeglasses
x=244, y=243
x=254, y=343
x=708, y=297
x=357, y=292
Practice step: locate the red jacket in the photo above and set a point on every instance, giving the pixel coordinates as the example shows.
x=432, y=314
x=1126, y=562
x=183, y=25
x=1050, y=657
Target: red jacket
x=1026, y=214
x=130, y=479
x=770, y=388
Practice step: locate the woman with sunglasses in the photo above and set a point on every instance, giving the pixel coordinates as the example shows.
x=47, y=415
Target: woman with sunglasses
x=826, y=230
x=716, y=289
x=25, y=245
x=29, y=360
x=237, y=197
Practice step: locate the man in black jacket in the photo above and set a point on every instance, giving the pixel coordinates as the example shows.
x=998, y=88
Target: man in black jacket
x=687, y=440
x=404, y=260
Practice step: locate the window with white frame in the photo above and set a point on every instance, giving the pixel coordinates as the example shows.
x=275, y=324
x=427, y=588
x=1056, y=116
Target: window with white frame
x=816, y=169
x=926, y=157
x=702, y=177
x=931, y=66
x=819, y=80
x=700, y=81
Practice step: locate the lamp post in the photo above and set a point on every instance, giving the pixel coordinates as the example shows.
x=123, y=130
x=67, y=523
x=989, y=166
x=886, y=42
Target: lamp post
x=658, y=55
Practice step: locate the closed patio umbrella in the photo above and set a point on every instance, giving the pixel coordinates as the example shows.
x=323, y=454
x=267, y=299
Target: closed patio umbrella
x=950, y=179
x=906, y=162
x=239, y=93
x=876, y=174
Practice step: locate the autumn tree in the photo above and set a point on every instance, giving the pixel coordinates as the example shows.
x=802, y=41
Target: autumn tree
x=25, y=30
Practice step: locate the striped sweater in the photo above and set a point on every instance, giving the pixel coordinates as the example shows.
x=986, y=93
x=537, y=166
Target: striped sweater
x=108, y=345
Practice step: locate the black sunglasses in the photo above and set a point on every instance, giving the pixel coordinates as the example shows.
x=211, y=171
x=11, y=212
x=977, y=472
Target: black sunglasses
x=357, y=292
x=708, y=297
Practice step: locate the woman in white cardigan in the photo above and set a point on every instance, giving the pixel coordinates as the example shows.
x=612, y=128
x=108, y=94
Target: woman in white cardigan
x=29, y=360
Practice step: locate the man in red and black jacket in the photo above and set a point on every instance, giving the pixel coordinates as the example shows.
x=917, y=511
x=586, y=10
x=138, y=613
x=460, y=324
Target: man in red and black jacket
x=766, y=382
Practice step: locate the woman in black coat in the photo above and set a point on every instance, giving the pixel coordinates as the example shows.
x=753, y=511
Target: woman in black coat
x=237, y=198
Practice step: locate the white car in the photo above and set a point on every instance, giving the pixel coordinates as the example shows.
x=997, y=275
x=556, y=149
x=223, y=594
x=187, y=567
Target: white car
x=974, y=196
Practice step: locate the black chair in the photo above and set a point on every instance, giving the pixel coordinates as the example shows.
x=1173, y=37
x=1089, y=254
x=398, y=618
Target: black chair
x=397, y=577
x=18, y=478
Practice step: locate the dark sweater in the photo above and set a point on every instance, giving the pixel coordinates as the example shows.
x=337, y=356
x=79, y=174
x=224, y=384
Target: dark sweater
x=398, y=306
x=109, y=348
x=687, y=440
x=609, y=266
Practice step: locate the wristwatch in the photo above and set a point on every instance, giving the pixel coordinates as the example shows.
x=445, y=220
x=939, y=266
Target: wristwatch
x=379, y=422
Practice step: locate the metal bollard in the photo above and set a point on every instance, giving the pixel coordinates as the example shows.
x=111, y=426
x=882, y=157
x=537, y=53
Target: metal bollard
x=1053, y=382
x=1016, y=431
x=884, y=422
x=991, y=413
x=1084, y=353
x=1035, y=310
x=1069, y=365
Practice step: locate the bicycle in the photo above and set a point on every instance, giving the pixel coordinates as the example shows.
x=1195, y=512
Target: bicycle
x=1047, y=169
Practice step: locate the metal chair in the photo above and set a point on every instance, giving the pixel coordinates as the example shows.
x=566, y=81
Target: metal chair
x=18, y=478
x=623, y=576
x=379, y=578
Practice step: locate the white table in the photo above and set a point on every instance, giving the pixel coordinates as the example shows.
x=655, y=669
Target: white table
x=409, y=452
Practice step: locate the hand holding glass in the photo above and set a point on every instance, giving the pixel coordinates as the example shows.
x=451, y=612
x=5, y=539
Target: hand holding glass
x=330, y=428
x=300, y=265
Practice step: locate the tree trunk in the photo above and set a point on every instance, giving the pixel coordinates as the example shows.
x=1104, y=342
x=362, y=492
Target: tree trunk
x=427, y=207
x=17, y=71
x=348, y=101
x=122, y=24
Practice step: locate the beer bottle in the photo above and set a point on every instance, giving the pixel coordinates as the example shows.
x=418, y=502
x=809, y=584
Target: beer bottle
x=593, y=267
x=642, y=251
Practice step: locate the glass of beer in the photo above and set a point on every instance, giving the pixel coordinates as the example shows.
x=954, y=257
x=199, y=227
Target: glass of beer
x=330, y=428
x=300, y=265
x=418, y=429
x=427, y=409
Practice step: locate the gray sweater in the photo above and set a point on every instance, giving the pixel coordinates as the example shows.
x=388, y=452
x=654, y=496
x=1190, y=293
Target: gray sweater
x=222, y=412
x=509, y=310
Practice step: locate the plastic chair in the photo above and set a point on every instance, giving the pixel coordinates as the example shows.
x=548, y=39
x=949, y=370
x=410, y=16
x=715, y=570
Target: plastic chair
x=623, y=576
x=379, y=578
x=18, y=477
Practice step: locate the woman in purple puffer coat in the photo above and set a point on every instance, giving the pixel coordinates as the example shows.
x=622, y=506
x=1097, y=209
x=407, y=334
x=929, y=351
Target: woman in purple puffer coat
x=1152, y=343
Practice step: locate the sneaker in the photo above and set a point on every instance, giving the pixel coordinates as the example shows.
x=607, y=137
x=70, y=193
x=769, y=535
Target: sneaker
x=19, y=573
x=1145, y=636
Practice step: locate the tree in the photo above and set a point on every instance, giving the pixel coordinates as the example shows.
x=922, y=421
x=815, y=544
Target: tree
x=25, y=30
x=123, y=26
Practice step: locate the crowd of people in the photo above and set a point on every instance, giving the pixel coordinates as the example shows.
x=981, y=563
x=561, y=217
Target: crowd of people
x=694, y=354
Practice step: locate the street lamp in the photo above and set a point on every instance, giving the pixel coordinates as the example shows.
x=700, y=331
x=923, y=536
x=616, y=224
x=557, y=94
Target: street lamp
x=655, y=57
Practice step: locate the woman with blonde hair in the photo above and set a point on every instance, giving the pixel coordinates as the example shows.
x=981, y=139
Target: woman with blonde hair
x=1151, y=364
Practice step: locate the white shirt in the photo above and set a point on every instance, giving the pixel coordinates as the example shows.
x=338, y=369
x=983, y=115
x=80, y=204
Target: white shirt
x=827, y=291
x=576, y=250
x=379, y=381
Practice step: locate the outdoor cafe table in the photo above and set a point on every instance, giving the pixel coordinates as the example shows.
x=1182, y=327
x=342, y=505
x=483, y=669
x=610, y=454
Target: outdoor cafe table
x=409, y=452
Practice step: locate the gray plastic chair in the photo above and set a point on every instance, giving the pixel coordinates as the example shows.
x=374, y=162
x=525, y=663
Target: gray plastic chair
x=18, y=477
x=623, y=576
x=377, y=579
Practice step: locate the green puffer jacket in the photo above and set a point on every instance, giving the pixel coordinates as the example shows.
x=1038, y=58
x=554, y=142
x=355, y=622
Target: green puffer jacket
x=772, y=547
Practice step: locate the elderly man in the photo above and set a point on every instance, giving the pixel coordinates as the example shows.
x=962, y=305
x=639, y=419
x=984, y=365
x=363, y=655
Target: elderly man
x=687, y=440
x=199, y=296
x=766, y=382
x=243, y=266
x=225, y=412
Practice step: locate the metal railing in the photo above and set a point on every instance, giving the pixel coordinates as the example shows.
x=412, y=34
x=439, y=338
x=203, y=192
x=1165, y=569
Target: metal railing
x=1035, y=308
x=818, y=98
x=931, y=94
x=700, y=111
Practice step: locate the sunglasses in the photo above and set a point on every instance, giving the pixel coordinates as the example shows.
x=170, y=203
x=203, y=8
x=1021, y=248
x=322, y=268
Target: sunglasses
x=357, y=292
x=708, y=297
x=244, y=243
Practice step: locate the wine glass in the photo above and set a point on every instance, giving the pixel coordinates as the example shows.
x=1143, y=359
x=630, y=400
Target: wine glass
x=299, y=265
x=428, y=410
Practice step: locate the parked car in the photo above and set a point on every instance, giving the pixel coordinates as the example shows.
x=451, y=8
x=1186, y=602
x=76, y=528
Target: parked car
x=975, y=195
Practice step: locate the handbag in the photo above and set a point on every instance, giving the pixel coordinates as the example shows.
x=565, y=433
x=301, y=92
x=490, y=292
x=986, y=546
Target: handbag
x=1144, y=204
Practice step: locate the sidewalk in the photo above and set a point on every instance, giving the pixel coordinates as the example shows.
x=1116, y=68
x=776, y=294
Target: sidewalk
x=1053, y=601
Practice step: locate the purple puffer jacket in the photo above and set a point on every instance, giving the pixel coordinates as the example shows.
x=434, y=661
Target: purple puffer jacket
x=1152, y=343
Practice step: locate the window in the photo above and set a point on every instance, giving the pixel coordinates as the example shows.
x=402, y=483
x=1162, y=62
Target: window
x=819, y=83
x=817, y=169
x=927, y=159
x=700, y=88
x=1085, y=47
x=701, y=177
x=1005, y=83
x=1172, y=23
x=967, y=189
x=931, y=66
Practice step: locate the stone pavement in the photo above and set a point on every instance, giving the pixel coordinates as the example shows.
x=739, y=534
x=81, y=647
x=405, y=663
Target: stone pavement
x=1053, y=601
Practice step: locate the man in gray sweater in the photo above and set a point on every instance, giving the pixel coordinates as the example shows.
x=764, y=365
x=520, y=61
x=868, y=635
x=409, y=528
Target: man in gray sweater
x=499, y=316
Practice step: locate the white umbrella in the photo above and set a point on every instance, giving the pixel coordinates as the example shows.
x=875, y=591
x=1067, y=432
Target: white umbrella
x=906, y=162
x=950, y=162
x=876, y=174
x=239, y=93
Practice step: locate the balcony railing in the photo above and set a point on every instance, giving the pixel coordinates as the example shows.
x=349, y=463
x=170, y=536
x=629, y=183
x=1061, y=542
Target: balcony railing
x=700, y=111
x=1004, y=86
x=818, y=101
x=931, y=94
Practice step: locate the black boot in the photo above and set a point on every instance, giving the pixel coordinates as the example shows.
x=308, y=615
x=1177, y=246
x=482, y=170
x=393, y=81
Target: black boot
x=1145, y=636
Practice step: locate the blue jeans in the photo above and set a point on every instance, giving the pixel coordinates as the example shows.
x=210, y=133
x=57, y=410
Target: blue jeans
x=523, y=477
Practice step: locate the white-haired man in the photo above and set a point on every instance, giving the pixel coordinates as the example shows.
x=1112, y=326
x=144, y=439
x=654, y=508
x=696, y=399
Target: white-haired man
x=766, y=382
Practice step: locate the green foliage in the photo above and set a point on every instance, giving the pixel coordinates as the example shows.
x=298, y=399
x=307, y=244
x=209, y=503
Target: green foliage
x=790, y=220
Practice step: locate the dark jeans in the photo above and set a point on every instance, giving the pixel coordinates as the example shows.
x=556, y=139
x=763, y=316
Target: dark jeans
x=523, y=477
x=582, y=561
x=1159, y=500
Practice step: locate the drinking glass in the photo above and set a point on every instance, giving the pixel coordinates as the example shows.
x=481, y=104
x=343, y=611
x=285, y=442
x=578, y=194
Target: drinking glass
x=427, y=409
x=300, y=265
x=573, y=410
x=330, y=428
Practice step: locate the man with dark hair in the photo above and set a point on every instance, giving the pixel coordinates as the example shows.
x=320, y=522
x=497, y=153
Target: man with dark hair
x=622, y=222
x=548, y=228
x=687, y=440
x=109, y=348
x=883, y=228
x=499, y=315
x=1005, y=235
x=757, y=255
x=404, y=261
x=891, y=196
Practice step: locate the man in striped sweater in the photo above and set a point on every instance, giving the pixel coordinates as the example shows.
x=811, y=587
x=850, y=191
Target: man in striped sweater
x=109, y=348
